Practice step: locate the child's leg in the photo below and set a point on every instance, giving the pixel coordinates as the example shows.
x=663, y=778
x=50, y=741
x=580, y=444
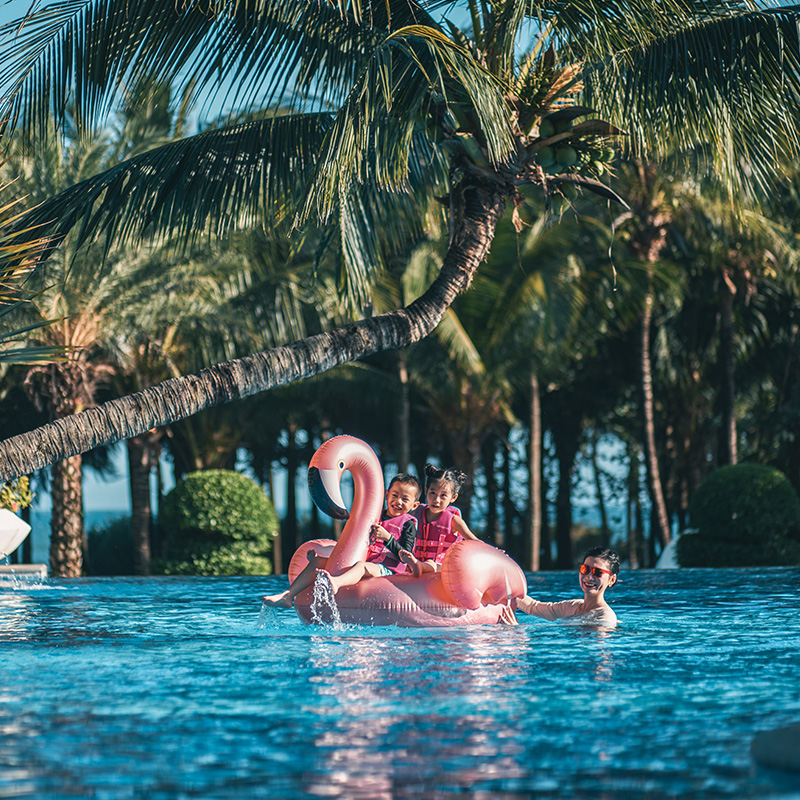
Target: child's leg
x=350, y=577
x=302, y=581
x=416, y=566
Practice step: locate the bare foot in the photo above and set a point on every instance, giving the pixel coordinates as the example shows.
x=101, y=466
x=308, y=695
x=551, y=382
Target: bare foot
x=413, y=563
x=282, y=600
x=323, y=573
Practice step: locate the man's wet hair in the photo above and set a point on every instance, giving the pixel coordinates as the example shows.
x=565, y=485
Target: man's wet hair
x=607, y=554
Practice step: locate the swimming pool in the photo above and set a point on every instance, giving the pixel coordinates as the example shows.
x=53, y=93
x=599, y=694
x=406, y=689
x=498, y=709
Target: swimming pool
x=170, y=688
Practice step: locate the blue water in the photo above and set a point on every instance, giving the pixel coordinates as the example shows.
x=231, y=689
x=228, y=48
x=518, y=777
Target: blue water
x=179, y=688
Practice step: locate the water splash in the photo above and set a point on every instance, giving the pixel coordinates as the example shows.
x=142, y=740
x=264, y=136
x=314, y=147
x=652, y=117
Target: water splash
x=324, y=610
x=19, y=580
x=266, y=616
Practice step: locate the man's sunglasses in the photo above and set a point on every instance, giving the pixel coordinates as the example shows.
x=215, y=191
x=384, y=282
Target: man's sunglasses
x=596, y=571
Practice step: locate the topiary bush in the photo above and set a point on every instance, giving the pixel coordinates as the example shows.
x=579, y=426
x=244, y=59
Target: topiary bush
x=745, y=515
x=217, y=522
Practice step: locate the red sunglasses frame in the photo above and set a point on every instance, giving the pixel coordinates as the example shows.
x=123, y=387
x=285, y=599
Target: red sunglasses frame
x=596, y=571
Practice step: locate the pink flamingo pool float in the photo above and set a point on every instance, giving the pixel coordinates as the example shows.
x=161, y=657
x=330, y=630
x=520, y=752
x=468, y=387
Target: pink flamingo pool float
x=476, y=583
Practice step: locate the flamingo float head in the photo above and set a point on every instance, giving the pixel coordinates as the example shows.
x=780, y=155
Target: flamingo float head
x=335, y=457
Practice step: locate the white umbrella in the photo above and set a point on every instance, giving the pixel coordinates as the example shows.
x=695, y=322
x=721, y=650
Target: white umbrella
x=13, y=531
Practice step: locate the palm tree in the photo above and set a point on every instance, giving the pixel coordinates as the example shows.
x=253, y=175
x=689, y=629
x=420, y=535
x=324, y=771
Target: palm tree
x=386, y=106
x=740, y=246
x=533, y=299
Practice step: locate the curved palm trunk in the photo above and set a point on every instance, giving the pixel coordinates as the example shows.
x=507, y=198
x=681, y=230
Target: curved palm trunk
x=66, y=522
x=480, y=208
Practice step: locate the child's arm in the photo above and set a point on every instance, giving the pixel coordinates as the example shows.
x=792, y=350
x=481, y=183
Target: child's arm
x=459, y=526
x=406, y=541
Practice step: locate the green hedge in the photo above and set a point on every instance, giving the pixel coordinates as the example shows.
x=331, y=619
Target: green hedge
x=744, y=515
x=217, y=522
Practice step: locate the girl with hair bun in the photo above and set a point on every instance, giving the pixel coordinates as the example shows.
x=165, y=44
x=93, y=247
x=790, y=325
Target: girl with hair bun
x=440, y=523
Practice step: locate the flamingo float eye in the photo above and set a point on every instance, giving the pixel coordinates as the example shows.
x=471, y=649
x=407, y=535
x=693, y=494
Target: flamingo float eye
x=341, y=465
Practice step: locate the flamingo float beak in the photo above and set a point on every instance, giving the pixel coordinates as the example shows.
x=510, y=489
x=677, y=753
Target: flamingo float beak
x=326, y=492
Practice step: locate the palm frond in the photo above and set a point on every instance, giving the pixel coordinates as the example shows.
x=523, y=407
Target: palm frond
x=215, y=181
x=29, y=354
x=460, y=347
x=401, y=82
x=12, y=347
x=728, y=78
x=242, y=51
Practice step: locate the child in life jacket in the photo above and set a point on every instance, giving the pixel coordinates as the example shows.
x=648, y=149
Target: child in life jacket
x=440, y=522
x=397, y=530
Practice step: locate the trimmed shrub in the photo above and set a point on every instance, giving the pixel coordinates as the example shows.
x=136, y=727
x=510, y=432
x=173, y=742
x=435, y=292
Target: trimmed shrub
x=745, y=515
x=217, y=522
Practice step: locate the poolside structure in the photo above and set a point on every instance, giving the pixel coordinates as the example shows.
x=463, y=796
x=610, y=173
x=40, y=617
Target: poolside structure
x=13, y=532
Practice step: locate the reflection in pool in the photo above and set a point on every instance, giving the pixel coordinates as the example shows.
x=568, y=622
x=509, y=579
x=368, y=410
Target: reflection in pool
x=179, y=688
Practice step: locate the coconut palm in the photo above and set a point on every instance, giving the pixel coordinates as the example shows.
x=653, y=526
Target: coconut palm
x=386, y=105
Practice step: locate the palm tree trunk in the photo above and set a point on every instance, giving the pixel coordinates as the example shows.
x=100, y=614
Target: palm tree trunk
x=511, y=539
x=728, y=445
x=633, y=500
x=605, y=530
x=290, y=540
x=478, y=209
x=27, y=542
x=404, y=448
x=140, y=468
x=66, y=522
x=565, y=434
x=653, y=471
x=535, y=505
x=492, y=525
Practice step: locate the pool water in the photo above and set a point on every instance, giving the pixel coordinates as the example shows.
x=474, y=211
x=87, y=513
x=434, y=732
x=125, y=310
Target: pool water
x=183, y=688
